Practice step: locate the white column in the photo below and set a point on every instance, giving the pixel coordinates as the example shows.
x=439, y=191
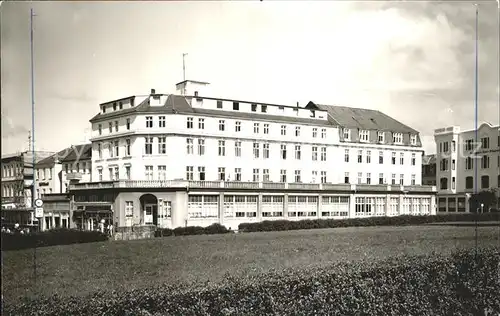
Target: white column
x=352, y=205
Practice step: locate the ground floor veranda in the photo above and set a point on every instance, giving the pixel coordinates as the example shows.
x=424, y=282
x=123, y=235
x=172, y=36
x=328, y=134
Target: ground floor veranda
x=170, y=208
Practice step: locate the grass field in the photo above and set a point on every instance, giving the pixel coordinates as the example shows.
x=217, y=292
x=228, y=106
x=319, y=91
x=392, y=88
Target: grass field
x=84, y=268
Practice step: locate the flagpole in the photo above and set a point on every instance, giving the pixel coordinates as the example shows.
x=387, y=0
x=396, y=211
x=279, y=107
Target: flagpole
x=33, y=194
x=475, y=121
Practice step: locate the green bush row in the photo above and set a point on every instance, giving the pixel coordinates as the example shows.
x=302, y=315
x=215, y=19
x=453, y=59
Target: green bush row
x=54, y=237
x=280, y=225
x=461, y=284
x=192, y=230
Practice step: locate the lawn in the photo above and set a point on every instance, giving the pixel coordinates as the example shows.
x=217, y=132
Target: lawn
x=193, y=260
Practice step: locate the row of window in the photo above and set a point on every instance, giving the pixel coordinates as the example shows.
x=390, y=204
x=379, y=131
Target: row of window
x=468, y=145
x=11, y=170
x=469, y=163
x=469, y=182
x=115, y=126
x=380, y=157
x=364, y=136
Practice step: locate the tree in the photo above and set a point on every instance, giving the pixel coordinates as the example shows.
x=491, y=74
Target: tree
x=489, y=199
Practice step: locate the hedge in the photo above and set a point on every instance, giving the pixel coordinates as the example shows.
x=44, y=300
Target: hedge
x=54, y=237
x=192, y=230
x=280, y=225
x=460, y=284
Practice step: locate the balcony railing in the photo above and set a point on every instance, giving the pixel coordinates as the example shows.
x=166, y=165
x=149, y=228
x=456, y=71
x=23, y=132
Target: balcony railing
x=250, y=186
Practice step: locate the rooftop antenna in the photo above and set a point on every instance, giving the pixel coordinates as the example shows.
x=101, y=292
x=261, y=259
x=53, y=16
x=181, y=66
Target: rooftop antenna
x=29, y=140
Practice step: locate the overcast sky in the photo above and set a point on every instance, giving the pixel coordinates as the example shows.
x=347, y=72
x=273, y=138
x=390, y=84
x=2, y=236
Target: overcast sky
x=413, y=61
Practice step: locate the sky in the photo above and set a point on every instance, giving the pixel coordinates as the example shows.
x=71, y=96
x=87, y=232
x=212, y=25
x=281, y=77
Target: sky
x=411, y=60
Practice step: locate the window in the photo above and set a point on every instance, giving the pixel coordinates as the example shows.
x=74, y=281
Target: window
x=323, y=176
x=201, y=123
x=189, y=122
x=236, y=106
x=116, y=126
x=380, y=178
x=401, y=158
x=413, y=140
x=149, y=172
x=364, y=136
x=297, y=152
x=237, y=174
x=393, y=178
x=323, y=153
x=148, y=145
x=380, y=157
x=161, y=121
x=314, y=153
x=485, y=142
x=397, y=138
x=99, y=153
x=360, y=177
x=266, y=128
x=368, y=178
x=237, y=148
x=283, y=151
x=323, y=133
x=110, y=150
x=346, y=178
x=189, y=146
x=453, y=164
x=255, y=128
x=283, y=130
x=254, y=107
x=265, y=175
x=453, y=183
x=256, y=150
x=485, y=182
x=368, y=156
x=265, y=148
x=237, y=126
x=469, y=163
x=149, y=121
x=360, y=156
x=120, y=104
x=256, y=174
x=346, y=155
x=413, y=181
x=222, y=125
x=162, y=145
x=117, y=173
x=201, y=147
x=117, y=149
x=297, y=131
x=315, y=132
x=446, y=147
x=401, y=179
x=297, y=176
x=99, y=173
x=189, y=173
x=485, y=162
x=219, y=104
x=99, y=128
x=469, y=182
x=347, y=133
x=413, y=159
x=263, y=108
x=201, y=173
x=393, y=158
x=127, y=172
x=110, y=127
x=443, y=164
x=129, y=209
x=443, y=183
x=283, y=175
x=114, y=106
x=103, y=109
x=222, y=173
x=222, y=148
x=469, y=144
x=453, y=146
x=128, y=124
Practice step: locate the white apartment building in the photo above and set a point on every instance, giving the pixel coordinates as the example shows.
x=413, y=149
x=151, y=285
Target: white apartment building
x=464, y=166
x=190, y=159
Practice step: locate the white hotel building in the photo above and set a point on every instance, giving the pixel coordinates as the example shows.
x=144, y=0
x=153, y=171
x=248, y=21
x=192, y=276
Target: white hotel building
x=458, y=173
x=187, y=159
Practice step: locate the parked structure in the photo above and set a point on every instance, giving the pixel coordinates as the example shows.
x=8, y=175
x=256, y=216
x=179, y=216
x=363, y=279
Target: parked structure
x=466, y=166
x=429, y=170
x=187, y=159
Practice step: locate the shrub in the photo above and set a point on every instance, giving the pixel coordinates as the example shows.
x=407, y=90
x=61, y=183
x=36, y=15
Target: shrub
x=53, y=237
x=460, y=284
x=281, y=225
x=192, y=230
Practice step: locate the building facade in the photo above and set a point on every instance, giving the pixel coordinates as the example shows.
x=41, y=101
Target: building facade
x=464, y=165
x=429, y=170
x=150, y=152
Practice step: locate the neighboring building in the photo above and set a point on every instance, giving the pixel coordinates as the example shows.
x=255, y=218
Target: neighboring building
x=77, y=165
x=459, y=173
x=17, y=186
x=174, y=160
x=56, y=211
x=429, y=170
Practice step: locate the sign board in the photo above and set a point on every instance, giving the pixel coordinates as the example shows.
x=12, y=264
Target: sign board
x=39, y=212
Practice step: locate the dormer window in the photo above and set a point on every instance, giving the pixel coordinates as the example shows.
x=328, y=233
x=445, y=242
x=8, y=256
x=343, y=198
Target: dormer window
x=381, y=137
x=254, y=107
x=281, y=108
x=263, y=108
x=120, y=104
x=219, y=104
x=313, y=113
x=347, y=134
x=196, y=93
x=413, y=140
x=364, y=135
x=397, y=138
x=236, y=106
x=114, y=106
x=103, y=109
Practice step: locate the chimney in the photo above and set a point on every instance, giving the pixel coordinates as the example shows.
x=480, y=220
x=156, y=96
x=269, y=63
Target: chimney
x=297, y=104
x=153, y=91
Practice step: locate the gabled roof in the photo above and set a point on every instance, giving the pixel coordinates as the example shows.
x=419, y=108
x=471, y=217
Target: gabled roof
x=78, y=152
x=429, y=159
x=362, y=118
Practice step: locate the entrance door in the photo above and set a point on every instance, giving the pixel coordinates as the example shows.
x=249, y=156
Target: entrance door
x=148, y=214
